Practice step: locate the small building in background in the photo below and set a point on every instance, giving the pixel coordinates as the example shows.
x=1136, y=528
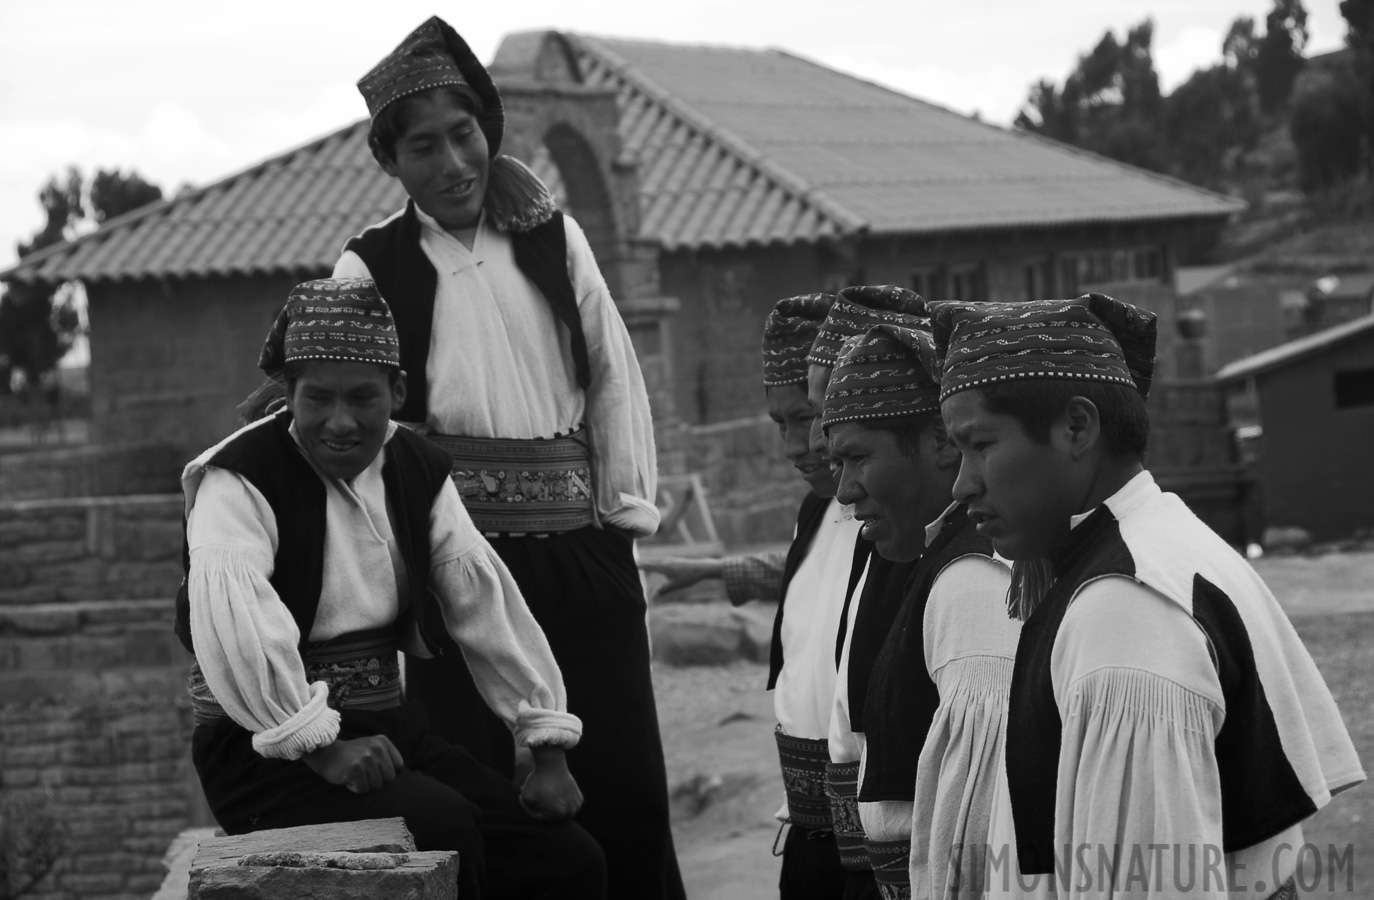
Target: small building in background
x=1315, y=402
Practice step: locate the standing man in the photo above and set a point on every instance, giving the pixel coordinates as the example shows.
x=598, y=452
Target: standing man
x=521, y=368
x=1163, y=711
x=926, y=780
x=873, y=603
x=816, y=578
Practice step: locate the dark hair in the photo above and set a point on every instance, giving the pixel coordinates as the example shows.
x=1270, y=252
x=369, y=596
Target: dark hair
x=390, y=123
x=1037, y=403
x=269, y=396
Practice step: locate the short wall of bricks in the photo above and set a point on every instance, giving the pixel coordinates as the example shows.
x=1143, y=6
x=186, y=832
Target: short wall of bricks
x=90, y=471
x=93, y=717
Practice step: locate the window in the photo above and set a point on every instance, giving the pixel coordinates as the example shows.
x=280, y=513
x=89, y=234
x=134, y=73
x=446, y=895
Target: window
x=1080, y=271
x=1354, y=388
x=926, y=281
x=838, y=281
x=965, y=283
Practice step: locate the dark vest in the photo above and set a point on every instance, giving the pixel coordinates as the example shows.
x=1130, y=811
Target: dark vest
x=882, y=597
x=809, y=519
x=1260, y=793
x=863, y=553
x=406, y=278
x=269, y=458
x=902, y=698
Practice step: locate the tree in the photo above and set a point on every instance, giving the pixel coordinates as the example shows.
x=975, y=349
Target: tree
x=1211, y=120
x=1331, y=128
x=1110, y=104
x=1279, y=59
x=38, y=325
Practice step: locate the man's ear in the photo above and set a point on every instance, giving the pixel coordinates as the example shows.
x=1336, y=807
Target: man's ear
x=947, y=456
x=398, y=390
x=1084, y=426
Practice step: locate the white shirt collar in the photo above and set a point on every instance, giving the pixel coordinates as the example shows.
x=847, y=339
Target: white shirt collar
x=1130, y=495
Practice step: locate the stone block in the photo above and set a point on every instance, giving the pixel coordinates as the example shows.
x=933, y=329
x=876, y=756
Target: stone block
x=48, y=551
x=38, y=654
x=98, y=652
x=707, y=634
x=368, y=836
x=423, y=876
x=86, y=885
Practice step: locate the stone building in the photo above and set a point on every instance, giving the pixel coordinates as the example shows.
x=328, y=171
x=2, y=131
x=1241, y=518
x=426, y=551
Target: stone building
x=711, y=182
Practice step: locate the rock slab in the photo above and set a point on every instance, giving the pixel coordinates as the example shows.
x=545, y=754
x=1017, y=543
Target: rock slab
x=339, y=860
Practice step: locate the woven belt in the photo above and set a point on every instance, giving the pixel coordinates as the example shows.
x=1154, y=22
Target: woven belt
x=803, y=778
x=890, y=861
x=523, y=487
x=842, y=787
x=360, y=668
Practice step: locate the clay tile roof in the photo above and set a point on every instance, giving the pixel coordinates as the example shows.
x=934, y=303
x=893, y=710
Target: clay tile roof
x=735, y=147
x=804, y=142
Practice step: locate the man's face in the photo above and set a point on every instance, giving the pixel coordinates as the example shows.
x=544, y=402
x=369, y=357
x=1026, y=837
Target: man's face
x=789, y=408
x=893, y=493
x=341, y=411
x=441, y=158
x=1020, y=493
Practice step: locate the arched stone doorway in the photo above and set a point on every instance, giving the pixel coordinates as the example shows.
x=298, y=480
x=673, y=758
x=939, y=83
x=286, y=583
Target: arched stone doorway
x=569, y=134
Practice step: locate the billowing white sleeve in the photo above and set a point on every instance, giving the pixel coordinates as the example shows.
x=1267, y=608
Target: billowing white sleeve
x=1140, y=705
x=970, y=646
x=624, y=467
x=245, y=638
x=350, y=265
x=505, y=649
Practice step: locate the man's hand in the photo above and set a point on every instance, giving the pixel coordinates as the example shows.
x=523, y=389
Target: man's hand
x=550, y=793
x=683, y=572
x=361, y=765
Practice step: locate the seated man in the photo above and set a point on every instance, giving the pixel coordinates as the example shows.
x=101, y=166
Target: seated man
x=320, y=540
x=926, y=778
x=1163, y=711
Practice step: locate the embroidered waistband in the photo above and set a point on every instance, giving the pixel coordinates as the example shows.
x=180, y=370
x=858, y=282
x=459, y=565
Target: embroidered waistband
x=360, y=667
x=842, y=787
x=523, y=487
x=803, y=778
x=890, y=860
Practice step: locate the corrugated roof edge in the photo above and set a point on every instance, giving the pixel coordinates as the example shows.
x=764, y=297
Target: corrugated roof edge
x=1234, y=204
x=699, y=121
x=35, y=260
x=1293, y=351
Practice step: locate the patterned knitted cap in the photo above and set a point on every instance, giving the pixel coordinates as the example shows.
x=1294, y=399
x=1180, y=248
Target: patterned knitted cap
x=1092, y=338
x=887, y=373
x=332, y=318
x=431, y=56
x=788, y=333
x=861, y=307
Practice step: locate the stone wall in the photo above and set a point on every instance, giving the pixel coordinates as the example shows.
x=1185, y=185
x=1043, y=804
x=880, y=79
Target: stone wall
x=91, y=471
x=752, y=489
x=93, y=717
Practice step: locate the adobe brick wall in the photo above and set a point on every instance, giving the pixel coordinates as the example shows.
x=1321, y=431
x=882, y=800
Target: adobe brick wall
x=752, y=489
x=91, y=471
x=90, y=548
x=93, y=716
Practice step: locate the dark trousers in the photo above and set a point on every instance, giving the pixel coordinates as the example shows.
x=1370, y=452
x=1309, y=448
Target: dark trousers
x=583, y=588
x=448, y=800
x=811, y=870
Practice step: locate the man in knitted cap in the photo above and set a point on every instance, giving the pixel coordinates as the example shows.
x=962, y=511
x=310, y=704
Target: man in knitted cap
x=873, y=604
x=320, y=540
x=810, y=583
x=937, y=691
x=522, y=369
x=1163, y=711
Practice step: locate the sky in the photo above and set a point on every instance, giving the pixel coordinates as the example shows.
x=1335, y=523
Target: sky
x=186, y=93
